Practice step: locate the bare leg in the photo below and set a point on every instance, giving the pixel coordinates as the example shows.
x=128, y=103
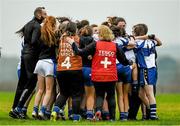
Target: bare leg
x=49, y=89
x=40, y=91
x=150, y=94
x=125, y=97
x=90, y=91
x=143, y=97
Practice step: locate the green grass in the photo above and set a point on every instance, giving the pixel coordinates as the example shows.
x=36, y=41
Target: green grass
x=168, y=112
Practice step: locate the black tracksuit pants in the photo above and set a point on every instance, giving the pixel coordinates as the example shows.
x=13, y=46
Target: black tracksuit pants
x=71, y=85
x=27, y=81
x=106, y=87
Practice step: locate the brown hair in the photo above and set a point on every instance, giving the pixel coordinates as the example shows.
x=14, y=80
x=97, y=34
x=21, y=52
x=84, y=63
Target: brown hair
x=86, y=31
x=112, y=20
x=84, y=23
x=70, y=29
x=61, y=29
x=140, y=29
x=48, y=31
x=118, y=32
x=94, y=25
x=105, y=33
x=105, y=23
x=81, y=24
x=119, y=19
x=62, y=19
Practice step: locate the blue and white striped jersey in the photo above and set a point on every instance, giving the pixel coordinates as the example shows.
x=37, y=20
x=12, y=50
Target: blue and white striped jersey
x=146, y=53
x=122, y=43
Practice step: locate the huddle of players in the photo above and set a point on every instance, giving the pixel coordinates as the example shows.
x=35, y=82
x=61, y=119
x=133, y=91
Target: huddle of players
x=84, y=65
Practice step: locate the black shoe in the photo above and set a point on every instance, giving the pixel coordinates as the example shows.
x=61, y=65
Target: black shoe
x=105, y=115
x=144, y=117
x=14, y=114
x=48, y=116
x=70, y=117
x=62, y=114
x=154, y=118
x=25, y=114
x=22, y=116
x=83, y=113
x=132, y=119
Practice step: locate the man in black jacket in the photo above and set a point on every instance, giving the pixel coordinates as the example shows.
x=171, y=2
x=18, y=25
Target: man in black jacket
x=30, y=52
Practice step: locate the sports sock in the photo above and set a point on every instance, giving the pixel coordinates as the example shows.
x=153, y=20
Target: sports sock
x=89, y=114
x=56, y=109
x=153, y=111
x=121, y=115
x=36, y=109
x=43, y=109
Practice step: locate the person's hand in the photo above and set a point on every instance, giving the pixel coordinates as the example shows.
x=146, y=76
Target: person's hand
x=90, y=57
x=69, y=40
x=135, y=88
x=130, y=62
x=151, y=36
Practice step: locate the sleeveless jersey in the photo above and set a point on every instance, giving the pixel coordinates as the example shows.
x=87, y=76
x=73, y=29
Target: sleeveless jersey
x=104, y=62
x=66, y=58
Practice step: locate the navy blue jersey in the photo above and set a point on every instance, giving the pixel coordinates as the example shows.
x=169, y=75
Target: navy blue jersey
x=84, y=41
x=47, y=52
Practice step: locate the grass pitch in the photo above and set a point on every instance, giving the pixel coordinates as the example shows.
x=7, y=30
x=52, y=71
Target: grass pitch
x=168, y=109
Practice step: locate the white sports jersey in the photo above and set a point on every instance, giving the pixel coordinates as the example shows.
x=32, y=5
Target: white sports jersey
x=146, y=53
x=122, y=43
x=19, y=63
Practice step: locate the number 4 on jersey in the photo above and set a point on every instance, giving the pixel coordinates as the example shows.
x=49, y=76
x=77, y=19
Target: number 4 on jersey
x=66, y=63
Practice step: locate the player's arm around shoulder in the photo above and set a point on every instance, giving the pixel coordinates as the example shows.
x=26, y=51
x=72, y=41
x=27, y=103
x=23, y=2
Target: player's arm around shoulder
x=159, y=43
x=152, y=37
x=157, y=40
x=131, y=42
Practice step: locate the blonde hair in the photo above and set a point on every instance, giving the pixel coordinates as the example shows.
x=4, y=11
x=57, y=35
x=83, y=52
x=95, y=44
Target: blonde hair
x=105, y=33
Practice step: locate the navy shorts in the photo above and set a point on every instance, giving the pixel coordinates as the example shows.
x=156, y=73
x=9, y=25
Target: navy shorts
x=87, y=76
x=148, y=76
x=55, y=72
x=124, y=73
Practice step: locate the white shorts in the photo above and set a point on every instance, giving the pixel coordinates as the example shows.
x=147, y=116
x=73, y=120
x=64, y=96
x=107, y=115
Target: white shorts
x=44, y=67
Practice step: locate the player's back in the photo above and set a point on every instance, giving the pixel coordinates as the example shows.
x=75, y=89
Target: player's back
x=146, y=53
x=66, y=58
